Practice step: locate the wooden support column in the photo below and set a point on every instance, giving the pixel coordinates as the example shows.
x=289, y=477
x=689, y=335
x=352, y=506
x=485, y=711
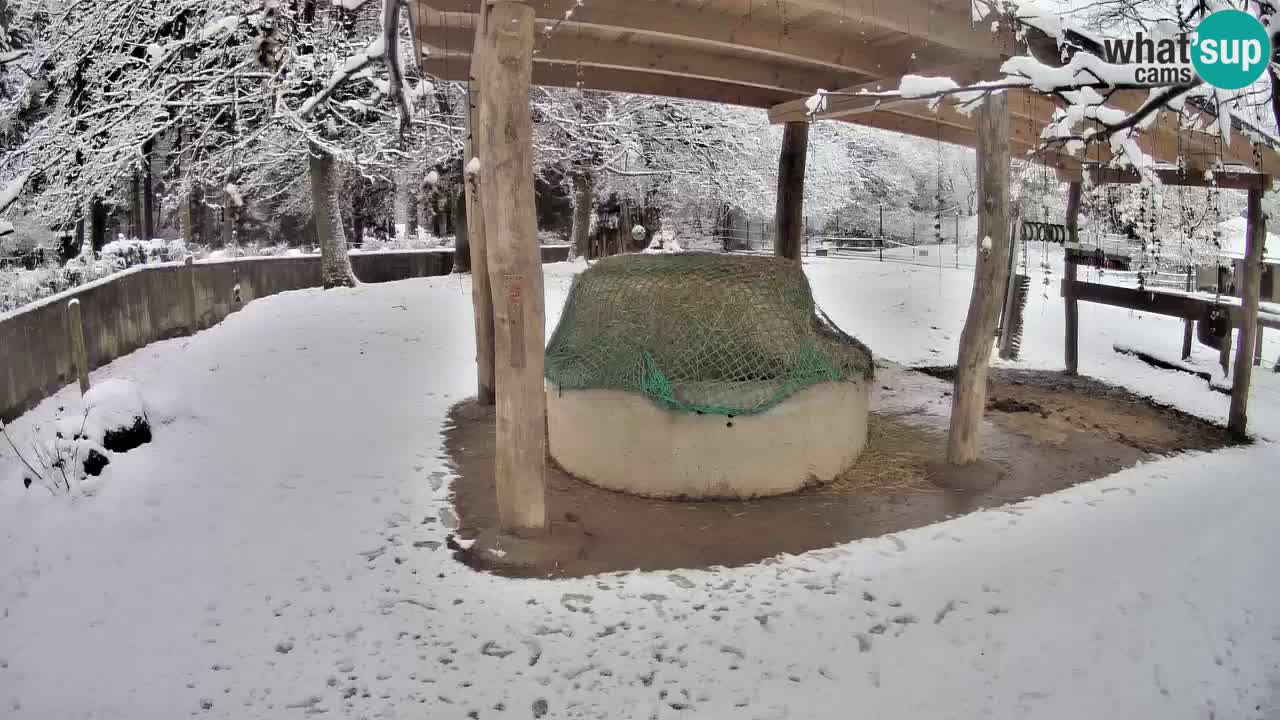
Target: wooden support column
x=481, y=291
x=1072, y=359
x=515, y=264
x=1250, y=287
x=789, y=212
x=970, y=388
x=79, y=358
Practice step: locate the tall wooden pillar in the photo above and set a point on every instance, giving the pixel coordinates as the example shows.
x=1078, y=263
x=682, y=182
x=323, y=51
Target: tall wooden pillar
x=789, y=213
x=514, y=264
x=1072, y=345
x=477, y=250
x=970, y=390
x=1250, y=287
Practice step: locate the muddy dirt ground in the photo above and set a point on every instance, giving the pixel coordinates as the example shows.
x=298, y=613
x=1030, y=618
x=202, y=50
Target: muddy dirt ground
x=1043, y=431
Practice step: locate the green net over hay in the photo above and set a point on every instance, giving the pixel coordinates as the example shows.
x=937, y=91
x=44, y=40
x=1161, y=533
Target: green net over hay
x=699, y=332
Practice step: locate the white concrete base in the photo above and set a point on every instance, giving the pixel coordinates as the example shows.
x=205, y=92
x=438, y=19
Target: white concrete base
x=624, y=441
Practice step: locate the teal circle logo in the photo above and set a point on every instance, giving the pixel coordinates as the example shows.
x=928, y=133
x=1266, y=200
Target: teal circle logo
x=1231, y=49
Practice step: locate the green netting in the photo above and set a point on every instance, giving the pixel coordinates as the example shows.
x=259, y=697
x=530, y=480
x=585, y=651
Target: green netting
x=699, y=332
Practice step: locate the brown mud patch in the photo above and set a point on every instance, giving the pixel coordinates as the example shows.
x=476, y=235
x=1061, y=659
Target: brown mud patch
x=1044, y=431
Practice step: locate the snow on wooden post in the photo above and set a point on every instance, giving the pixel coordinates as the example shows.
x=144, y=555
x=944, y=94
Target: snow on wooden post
x=789, y=211
x=1250, y=287
x=515, y=265
x=1069, y=277
x=970, y=389
x=187, y=286
x=78, y=355
x=481, y=292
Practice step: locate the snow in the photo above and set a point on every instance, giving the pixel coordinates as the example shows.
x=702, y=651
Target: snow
x=111, y=404
x=473, y=166
x=916, y=86
x=1235, y=232
x=277, y=550
x=227, y=24
x=817, y=102
x=13, y=189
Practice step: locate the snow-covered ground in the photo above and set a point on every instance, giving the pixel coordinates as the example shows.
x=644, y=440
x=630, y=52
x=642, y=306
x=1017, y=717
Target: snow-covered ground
x=278, y=551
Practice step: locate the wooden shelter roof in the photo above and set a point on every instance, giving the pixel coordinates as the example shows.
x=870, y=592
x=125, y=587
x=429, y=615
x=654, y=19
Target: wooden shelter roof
x=773, y=54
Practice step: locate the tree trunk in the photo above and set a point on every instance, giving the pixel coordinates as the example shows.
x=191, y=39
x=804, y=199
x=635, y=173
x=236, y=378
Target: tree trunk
x=426, y=208
x=148, y=194
x=475, y=257
x=135, y=205
x=228, y=220
x=970, y=388
x=789, y=212
x=1072, y=340
x=404, y=187
x=583, y=197
x=335, y=265
x=515, y=266
x=1250, y=287
x=97, y=225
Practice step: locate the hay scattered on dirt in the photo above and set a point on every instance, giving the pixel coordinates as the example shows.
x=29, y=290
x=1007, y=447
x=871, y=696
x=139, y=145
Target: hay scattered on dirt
x=894, y=460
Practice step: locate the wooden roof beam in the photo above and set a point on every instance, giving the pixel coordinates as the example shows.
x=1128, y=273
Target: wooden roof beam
x=763, y=31
x=945, y=22
x=575, y=49
x=457, y=67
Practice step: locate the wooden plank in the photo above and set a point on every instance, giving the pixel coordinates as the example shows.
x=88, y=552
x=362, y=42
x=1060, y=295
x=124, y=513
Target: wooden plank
x=1250, y=287
x=1227, y=180
x=1179, y=306
x=621, y=80
x=1072, y=341
x=646, y=54
x=515, y=267
x=767, y=29
x=970, y=387
x=789, y=211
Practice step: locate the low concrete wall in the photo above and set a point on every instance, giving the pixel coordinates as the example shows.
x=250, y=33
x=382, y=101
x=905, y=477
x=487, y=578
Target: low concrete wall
x=144, y=304
x=624, y=441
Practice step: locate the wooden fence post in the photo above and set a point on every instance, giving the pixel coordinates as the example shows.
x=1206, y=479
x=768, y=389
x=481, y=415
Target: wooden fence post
x=481, y=290
x=789, y=210
x=1250, y=288
x=187, y=286
x=515, y=265
x=78, y=355
x=970, y=389
x=1072, y=347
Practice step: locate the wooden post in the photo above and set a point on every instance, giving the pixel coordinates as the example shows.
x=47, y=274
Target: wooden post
x=970, y=389
x=78, y=355
x=481, y=290
x=187, y=286
x=1072, y=359
x=1009, y=303
x=1188, y=325
x=1250, y=287
x=515, y=265
x=789, y=212
x=1257, y=347
x=1224, y=351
